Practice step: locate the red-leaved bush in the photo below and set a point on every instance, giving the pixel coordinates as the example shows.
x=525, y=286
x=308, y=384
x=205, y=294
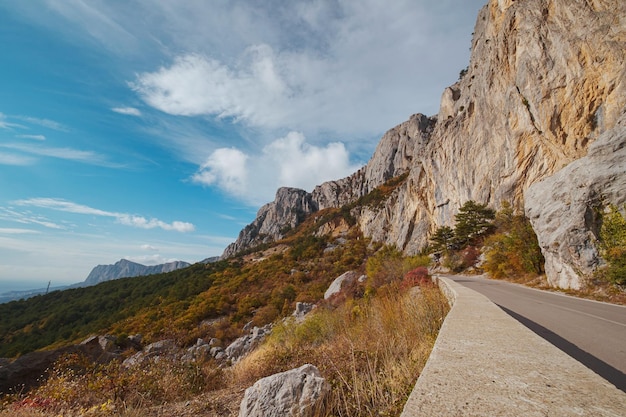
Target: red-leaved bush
x=418, y=276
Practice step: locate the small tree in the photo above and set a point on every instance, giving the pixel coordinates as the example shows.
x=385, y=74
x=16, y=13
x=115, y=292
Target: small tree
x=473, y=222
x=514, y=250
x=443, y=239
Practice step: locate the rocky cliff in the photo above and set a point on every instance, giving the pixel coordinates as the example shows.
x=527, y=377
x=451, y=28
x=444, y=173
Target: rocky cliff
x=546, y=78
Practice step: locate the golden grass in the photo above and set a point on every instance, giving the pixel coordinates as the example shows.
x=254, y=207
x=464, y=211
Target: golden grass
x=370, y=350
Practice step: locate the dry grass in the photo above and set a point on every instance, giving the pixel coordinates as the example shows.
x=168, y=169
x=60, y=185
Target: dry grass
x=371, y=351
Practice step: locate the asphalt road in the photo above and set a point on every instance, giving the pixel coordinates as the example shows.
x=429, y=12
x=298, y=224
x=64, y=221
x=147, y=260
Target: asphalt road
x=593, y=333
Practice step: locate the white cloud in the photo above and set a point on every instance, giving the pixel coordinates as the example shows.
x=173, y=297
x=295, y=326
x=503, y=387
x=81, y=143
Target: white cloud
x=150, y=248
x=17, y=160
x=130, y=111
x=27, y=218
x=150, y=259
x=288, y=161
x=70, y=154
x=195, y=85
x=47, y=123
x=4, y=124
x=14, y=231
x=122, y=218
x=34, y=137
x=339, y=66
x=226, y=168
x=97, y=20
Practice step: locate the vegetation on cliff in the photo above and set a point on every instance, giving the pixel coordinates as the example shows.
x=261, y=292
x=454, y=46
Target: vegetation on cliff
x=613, y=244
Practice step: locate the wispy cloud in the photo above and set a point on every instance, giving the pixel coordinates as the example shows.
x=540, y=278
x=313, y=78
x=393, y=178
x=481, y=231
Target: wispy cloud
x=16, y=160
x=122, y=218
x=47, y=123
x=13, y=231
x=149, y=248
x=316, y=66
x=288, y=161
x=130, y=111
x=10, y=214
x=71, y=154
x=5, y=124
x=34, y=137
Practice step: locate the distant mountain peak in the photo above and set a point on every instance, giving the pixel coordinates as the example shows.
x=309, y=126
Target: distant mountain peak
x=125, y=268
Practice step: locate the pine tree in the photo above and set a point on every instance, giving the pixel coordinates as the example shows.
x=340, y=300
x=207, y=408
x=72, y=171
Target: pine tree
x=443, y=239
x=472, y=222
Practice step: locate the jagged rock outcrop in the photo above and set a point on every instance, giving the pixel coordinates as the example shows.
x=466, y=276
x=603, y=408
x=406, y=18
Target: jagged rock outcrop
x=301, y=311
x=247, y=343
x=289, y=209
x=546, y=78
x=393, y=156
x=125, y=268
x=294, y=393
x=565, y=208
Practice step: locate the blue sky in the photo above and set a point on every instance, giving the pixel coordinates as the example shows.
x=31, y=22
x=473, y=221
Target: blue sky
x=153, y=130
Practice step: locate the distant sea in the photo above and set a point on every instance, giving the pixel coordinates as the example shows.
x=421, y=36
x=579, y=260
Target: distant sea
x=10, y=286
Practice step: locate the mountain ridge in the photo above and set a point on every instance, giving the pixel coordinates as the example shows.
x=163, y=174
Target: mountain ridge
x=125, y=268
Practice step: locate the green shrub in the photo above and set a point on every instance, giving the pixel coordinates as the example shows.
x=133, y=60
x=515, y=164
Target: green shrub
x=613, y=243
x=514, y=251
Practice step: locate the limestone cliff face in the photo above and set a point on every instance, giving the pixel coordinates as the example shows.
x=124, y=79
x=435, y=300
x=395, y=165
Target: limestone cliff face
x=564, y=208
x=546, y=78
x=288, y=209
x=394, y=156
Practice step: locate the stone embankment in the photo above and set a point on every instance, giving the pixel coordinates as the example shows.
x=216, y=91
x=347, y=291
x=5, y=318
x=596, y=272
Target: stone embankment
x=486, y=363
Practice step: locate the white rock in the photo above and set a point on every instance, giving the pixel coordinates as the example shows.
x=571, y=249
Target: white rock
x=344, y=279
x=292, y=393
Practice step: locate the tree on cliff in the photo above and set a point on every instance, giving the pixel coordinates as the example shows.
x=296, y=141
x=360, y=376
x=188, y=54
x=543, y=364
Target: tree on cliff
x=473, y=222
x=443, y=239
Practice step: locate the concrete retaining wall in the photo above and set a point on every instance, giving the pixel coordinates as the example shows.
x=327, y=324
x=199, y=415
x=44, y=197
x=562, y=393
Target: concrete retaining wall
x=486, y=363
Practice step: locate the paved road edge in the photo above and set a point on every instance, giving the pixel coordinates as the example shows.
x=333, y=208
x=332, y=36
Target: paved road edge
x=486, y=363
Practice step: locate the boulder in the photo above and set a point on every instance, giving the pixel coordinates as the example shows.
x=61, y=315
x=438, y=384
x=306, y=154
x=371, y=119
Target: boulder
x=297, y=392
x=152, y=351
x=245, y=344
x=344, y=279
x=26, y=371
x=302, y=309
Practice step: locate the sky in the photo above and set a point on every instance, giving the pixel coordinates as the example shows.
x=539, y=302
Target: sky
x=153, y=130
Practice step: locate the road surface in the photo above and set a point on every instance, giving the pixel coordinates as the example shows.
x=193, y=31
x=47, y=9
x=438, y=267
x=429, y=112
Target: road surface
x=593, y=333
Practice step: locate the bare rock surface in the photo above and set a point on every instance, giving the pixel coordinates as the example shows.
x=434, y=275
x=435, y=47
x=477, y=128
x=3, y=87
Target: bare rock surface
x=565, y=208
x=245, y=344
x=338, y=283
x=289, y=209
x=26, y=371
x=292, y=393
